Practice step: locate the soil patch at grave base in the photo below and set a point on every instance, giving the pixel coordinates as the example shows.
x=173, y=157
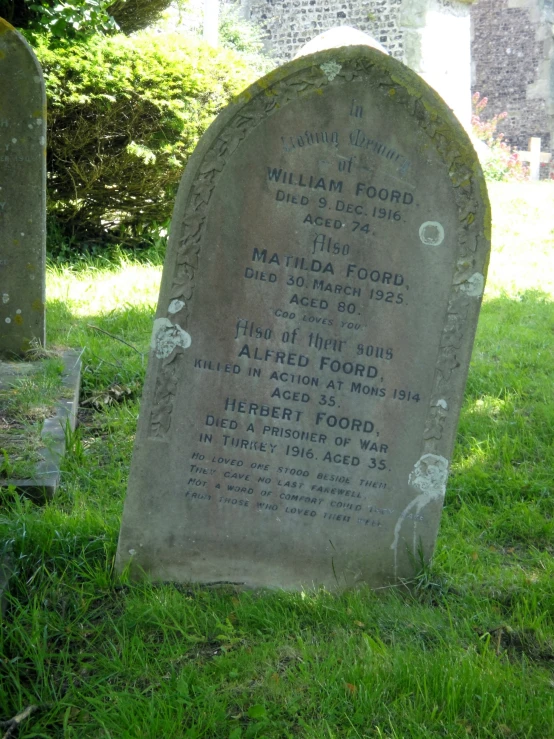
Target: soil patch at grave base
x=36, y=441
x=520, y=643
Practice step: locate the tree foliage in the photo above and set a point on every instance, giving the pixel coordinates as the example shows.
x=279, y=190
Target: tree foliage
x=80, y=18
x=237, y=33
x=59, y=18
x=135, y=15
x=124, y=116
x=16, y=12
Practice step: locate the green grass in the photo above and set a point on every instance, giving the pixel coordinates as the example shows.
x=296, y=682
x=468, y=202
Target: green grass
x=466, y=651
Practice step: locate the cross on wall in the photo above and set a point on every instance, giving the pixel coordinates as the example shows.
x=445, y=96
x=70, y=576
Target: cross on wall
x=534, y=157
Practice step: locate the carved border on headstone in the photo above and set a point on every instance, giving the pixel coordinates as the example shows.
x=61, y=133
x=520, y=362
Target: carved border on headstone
x=259, y=102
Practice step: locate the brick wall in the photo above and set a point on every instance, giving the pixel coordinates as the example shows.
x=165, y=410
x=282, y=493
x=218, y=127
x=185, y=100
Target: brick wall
x=511, y=46
x=404, y=27
x=288, y=24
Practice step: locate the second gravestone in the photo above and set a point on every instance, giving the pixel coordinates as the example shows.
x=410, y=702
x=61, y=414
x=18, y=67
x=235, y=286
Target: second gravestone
x=22, y=195
x=318, y=306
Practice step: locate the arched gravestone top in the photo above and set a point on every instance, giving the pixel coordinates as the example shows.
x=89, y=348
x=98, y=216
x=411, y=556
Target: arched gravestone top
x=22, y=194
x=319, y=300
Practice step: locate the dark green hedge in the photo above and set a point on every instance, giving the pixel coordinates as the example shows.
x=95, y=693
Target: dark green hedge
x=124, y=114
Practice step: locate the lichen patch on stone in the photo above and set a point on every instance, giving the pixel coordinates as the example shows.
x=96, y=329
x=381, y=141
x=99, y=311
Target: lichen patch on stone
x=330, y=70
x=175, y=306
x=429, y=477
x=167, y=336
x=431, y=233
x=474, y=286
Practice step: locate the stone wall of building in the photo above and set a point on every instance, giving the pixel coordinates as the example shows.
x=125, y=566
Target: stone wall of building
x=430, y=36
x=512, y=49
x=513, y=66
x=288, y=24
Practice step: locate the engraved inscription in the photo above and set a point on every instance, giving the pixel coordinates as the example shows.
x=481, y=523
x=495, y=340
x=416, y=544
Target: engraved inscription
x=326, y=268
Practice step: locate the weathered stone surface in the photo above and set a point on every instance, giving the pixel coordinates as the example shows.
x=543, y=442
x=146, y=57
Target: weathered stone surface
x=318, y=306
x=56, y=429
x=22, y=194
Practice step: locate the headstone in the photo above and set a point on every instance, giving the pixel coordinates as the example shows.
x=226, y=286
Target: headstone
x=318, y=306
x=23, y=249
x=22, y=194
x=534, y=157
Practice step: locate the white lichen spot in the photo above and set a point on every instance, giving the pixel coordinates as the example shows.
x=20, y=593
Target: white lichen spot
x=29, y=125
x=22, y=234
x=474, y=285
x=428, y=477
x=42, y=141
x=132, y=552
x=5, y=298
x=431, y=233
x=175, y=306
x=442, y=404
x=167, y=336
x=330, y=70
x=8, y=320
x=18, y=311
x=14, y=141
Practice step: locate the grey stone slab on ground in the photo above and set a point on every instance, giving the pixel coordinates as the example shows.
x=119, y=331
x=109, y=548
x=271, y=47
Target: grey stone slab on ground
x=318, y=306
x=55, y=429
x=22, y=194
